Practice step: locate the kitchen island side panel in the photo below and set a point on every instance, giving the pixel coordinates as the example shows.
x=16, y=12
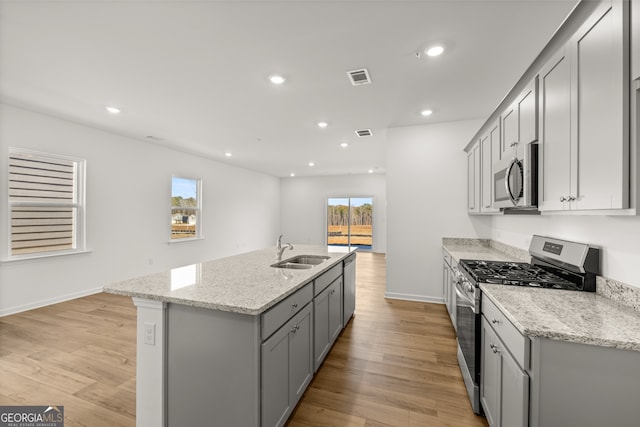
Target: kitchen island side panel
x=583, y=385
x=213, y=368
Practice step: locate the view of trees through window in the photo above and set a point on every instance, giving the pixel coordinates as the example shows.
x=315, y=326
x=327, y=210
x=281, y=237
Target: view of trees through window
x=185, y=208
x=350, y=222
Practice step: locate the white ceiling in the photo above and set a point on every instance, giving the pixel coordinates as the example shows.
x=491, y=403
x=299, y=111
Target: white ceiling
x=193, y=74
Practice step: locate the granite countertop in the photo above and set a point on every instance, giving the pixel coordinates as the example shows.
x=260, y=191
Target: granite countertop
x=580, y=317
x=243, y=283
x=482, y=249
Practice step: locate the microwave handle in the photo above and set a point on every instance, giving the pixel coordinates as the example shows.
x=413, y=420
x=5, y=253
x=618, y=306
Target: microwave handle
x=512, y=163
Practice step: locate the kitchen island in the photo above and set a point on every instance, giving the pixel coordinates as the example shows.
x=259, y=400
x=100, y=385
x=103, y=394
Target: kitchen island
x=234, y=341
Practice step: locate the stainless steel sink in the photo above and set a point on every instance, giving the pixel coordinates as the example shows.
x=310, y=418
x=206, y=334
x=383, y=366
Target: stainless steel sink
x=301, y=261
x=292, y=265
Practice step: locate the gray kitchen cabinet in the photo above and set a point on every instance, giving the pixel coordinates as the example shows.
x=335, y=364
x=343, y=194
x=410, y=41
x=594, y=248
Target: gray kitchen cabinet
x=505, y=385
x=473, y=179
x=584, y=112
x=490, y=151
x=287, y=367
x=328, y=308
x=519, y=122
x=448, y=285
x=349, y=288
x=635, y=40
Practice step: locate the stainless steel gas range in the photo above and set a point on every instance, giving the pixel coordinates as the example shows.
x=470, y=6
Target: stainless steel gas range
x=555, y=264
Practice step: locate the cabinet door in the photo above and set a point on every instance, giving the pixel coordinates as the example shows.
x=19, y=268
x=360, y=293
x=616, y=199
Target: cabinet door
x=320, y=327
x=349, y=287
x=335, y=310
x=509, y=128
x=300, y=355
x=490, y=375
x=445, y=285
x=555, y=133
x=275, y=378
x=473, y=182
x=490, y=151
x=287, y=367
x=527, y=116
x=600, y=84
x=514, y=386
x=635, y=40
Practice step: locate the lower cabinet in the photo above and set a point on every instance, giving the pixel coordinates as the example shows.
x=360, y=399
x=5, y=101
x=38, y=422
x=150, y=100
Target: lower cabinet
x=504, y=391
x=449, y=286
x=327, y=306
x=287, y=367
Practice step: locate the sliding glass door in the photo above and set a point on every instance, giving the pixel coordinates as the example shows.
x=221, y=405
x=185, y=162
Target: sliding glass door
x=350, y=222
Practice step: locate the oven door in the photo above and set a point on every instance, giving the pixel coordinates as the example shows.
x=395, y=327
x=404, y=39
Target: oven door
x=468, y=325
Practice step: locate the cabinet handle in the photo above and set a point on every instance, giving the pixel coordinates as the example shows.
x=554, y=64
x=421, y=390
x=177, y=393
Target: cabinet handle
x=513, y=144
x=494, y=348
x=295, y=329
x=487, y=207
x=494, y=321
x=294, y=305
x=563, y=199
x=570, y=199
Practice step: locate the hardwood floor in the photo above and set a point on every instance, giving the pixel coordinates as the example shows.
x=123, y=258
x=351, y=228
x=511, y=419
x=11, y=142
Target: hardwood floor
x=394, y=365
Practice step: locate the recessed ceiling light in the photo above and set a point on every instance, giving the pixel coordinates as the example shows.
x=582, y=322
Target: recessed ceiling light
x=323, y=125
x=228, y=154
x=311, y=164
x=276, y=79
x=112, y=110
x=426, y=113
x=344, y=145
x=434, y=51
x=292, y=174
x=370, y=170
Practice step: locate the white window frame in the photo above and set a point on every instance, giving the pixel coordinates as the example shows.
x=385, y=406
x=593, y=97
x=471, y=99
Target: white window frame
x=79, y=197
x=199, y=235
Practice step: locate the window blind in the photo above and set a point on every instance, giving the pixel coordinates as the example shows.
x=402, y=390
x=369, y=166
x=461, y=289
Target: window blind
x=42, y=198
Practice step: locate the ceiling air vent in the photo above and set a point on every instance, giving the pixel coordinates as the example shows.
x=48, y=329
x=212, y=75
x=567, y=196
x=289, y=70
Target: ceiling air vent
x=359, y=77
x=363, y=132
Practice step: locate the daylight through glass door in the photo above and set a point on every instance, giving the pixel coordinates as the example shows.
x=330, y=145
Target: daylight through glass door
x=350, y=222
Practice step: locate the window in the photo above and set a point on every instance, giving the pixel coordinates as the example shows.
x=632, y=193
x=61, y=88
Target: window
x=185, y=208
x=350, y=222
x=46, y=204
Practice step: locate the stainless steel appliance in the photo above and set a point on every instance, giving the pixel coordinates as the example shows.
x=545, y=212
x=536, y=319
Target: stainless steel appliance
x=515, y=180
x=555, y=264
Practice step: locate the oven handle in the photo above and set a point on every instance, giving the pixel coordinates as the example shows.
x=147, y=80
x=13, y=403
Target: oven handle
x=469, y=302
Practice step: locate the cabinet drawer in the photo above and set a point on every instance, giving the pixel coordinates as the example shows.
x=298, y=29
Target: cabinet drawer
x=326, y=278
x=517, y=344
x=285, y=309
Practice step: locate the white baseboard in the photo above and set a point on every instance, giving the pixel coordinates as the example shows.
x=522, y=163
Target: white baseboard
x=411, y=297
x=50, y=301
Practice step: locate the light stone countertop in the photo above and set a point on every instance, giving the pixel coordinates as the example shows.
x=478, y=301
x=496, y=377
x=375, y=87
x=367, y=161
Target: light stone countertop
x=579, y=317
x=244, y=283
x=482, y=249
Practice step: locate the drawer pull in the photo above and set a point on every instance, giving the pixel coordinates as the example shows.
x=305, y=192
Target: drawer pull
x=494, y=321
x=494, y=348
x=295, y=329
x=294, y=305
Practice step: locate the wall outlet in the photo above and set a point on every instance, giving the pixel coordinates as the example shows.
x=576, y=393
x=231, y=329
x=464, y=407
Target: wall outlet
x=150, y=333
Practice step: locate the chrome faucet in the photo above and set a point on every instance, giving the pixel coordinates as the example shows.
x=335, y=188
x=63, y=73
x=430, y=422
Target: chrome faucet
x=280, y=248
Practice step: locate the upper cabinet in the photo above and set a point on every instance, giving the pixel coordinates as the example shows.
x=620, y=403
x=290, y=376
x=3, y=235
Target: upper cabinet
x=519, y=122
x=490, y=150
x=584, y=110
x=635, y=40
x=473, y=179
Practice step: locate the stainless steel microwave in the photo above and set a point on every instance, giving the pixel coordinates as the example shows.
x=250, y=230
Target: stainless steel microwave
x=515, y=181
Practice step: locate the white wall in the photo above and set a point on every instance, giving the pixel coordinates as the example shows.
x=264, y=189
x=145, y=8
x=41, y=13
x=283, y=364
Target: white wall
x=426, y=193
x=304, y=206
x=128, y=201
x=618, y=237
